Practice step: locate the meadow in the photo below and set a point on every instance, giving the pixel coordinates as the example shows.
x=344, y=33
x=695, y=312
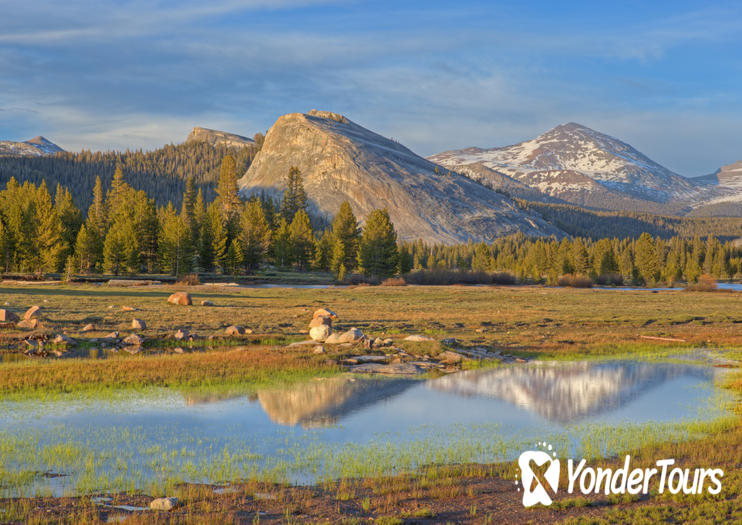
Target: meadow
x=531, y=322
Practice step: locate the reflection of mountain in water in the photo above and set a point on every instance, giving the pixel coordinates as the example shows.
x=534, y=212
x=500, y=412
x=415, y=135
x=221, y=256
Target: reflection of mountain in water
x=323, y=402
x=565, y=392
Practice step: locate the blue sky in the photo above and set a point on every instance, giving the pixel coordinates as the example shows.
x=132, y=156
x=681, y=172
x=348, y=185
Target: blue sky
x=663, y=76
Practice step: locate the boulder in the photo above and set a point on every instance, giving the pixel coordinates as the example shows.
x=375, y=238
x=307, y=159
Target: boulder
x=324, y=312
x=32, y=313
x=134, y=340
x=88, y=328
x=351, y=336
x=178, y=350
x=181, y=334
x=163, y=503
x=133, y=349
x=419, y=338
x=320, y=320
x=6, y=316
x=333, y=339
x=450, y=341
x=129, y=309
x=319, y=349
x=138, y=324
x=235, y=330
x=450, y=358
x=320, y=333
x=28, y=324
x=111, y=335
x=63, y=339
x=181, y=298
x=206, y=302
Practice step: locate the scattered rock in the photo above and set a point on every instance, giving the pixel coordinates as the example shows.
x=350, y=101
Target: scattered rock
x=450, y=341
x=28, y=324
x=178, y=350
x=6, y=316
x=405, y=369
x=303, y=343
x=333, y=339
x=138, y=324
x=235, y=330
x=88, y=328
x=181, y=334
x=133, y=349
x=134, y=339
x=351, y=336
x=112, y=335
x=64, y=339
x=320, y=333
x=163, y=504
x=419, y=338
x=32, y=313
x=129, y=309
x=181, y=298
x=372, y=358
x=319, y=349
x=206, y=302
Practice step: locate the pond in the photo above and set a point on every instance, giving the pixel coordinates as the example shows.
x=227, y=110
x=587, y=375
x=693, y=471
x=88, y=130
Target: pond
x=347, y=426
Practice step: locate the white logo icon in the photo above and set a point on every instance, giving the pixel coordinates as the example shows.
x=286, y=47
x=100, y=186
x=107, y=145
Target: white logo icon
x=537, y=487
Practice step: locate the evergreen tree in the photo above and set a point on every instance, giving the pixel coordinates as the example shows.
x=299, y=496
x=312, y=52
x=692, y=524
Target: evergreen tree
x=228, y=198
x=378, y=255
x=85, y=250
x=175, y=254
x=216, y=232
x=233, y=260
x=323, y=247
x=294, y=196
x=282, y=246
x=646, y=258
x=345, y=227
x=255, y=235
x=302, y=240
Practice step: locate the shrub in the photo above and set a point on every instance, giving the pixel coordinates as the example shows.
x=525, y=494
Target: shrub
x=394, y=281
x=444, y=277
x=610, y=279
x=190, y=279
x=705, y=283
x=575, y=281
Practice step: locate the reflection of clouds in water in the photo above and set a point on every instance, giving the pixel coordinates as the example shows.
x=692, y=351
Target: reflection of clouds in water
x=566, y=392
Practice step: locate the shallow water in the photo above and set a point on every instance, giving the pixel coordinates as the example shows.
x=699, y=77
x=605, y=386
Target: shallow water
x=341, y=426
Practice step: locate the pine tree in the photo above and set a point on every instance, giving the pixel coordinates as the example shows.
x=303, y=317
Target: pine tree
x=282, y=245
x=337, y=261
x=302, y=240
x=378, y=255
x=71, y=219
x=234, y=258
x=175, y=255
x=255, y=235
x=482, y=260
x=345, y=227
x=97, y=222
x=323, y=251
x=85, y=250
x=228, y=199
x=294, y=196
x=646, y=258
x=216, y=232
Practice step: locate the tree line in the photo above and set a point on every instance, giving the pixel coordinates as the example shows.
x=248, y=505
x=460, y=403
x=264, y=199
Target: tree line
x=125, y=232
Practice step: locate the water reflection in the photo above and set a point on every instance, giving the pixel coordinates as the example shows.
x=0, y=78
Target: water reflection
x=567, y=392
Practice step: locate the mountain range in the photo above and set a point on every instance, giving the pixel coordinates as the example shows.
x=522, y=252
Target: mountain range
x=454, y=196
x=35, y=147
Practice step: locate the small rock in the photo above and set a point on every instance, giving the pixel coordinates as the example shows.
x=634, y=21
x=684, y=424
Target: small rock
x=6, y=316
x=163, y=504
x=88, y=328
x=28, y=324
x=450, y=341
x=32, y=313
x=138, y=324
x=181, y=334
x=134, y=339
x=133, y=349
x=419, y=338
x=64, y=339
x=384, y=369
x=129, y=309
x=320, y=320
x=112, y=335
x=480, y=330
x=319, y=349
x=178, y=350
x=181, y=298
x=303, y=343
x=206, y=302
x=235, y=330
x=320, y=333
x=450, y=358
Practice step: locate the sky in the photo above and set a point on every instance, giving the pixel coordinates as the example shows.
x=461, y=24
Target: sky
x=666, y=77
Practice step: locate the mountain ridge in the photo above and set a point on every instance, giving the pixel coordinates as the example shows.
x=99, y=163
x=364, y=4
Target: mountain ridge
x=35, y=147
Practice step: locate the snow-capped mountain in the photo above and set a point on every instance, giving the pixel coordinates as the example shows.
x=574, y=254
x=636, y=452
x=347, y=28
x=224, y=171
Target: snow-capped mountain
x=579, y=165
x=34, y=147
